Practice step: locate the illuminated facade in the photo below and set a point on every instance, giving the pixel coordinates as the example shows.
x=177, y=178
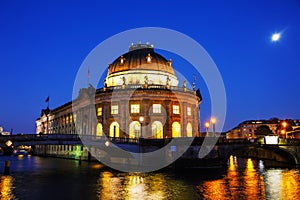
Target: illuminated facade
x=140, y=83
x=247, y=129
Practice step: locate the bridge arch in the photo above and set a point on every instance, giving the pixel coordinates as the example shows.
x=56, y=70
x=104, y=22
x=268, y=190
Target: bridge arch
x=273, y=153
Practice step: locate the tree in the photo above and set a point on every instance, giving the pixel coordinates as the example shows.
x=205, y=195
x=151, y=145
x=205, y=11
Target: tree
x=263, y=130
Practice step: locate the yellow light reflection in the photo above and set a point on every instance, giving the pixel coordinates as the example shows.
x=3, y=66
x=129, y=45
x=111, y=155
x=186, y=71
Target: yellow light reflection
x=233, y=178
x=132, y=186
x=214, y=190
x=251, y=186
x=109, y=186
x=273, y=182
x=135, y=187
x=20, y=157
x=290, y=185
x=6, y=186
x=254, y=184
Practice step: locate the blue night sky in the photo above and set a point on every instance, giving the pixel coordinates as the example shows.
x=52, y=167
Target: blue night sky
x=43, y=43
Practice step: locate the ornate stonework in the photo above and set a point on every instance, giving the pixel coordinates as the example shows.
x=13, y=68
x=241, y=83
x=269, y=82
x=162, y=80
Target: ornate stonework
x=140, y=83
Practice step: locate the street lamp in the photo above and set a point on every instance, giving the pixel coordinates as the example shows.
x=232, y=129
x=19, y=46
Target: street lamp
x=214, y=121
x=283, y=132
x=141, y=121
x=206, y=124
x=284, y=124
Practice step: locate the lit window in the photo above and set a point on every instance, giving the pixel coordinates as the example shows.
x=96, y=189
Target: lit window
x=71, y=118
x=156, y=108
x=67, y=120
x=148, y=58
x=75, y=116
x=189, y=111
x=170, y=62
x=135, y=108
x=114, y=109
x=122, y=60
x=175, y=109
x=99, y=111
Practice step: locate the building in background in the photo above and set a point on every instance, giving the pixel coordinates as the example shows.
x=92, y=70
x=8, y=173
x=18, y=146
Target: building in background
x=287, y=128
x=140, y=98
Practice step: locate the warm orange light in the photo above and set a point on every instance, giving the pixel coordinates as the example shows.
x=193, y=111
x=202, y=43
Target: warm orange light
x=282, y=131
x=8, y=143
x=206, y=124
x=148, y=58
x=284, y=124
x=141, y=119
x=122, y=59
x=213, y=120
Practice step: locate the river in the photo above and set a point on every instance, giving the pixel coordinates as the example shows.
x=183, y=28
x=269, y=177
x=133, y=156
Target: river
x=34, y=177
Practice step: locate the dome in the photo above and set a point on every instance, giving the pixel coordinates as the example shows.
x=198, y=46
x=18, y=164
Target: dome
x=141, y=63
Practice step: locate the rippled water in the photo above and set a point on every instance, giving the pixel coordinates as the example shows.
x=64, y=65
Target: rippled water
x=50, y=178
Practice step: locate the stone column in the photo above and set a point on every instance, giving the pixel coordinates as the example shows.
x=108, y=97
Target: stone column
x=168, y=124
x=124, y=118
x=183, y=119
x=105, y=117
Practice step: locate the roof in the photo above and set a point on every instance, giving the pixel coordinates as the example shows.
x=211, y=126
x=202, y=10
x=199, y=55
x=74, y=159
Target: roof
x=137, y=57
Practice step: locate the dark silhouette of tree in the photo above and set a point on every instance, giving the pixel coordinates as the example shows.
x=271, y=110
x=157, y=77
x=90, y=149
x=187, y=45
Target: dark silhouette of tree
x=263, y=130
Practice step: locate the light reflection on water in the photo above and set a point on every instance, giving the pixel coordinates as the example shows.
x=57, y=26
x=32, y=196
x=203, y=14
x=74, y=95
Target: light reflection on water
x=52, y=178
x=251, y=180
x=6, y=187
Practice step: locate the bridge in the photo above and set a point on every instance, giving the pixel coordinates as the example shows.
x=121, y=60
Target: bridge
x=287, y=151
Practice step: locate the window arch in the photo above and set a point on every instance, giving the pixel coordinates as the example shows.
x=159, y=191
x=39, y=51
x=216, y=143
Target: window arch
x=134, y=129
x=114, y=130
x=189, y=130
x=99, y=130
x=157, y=129
x=176, y=129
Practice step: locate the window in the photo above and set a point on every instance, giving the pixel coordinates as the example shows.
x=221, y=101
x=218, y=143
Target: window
x=71, y=118
x=75, y=117
x=176, y=129
x=189, y=130
x=157, y=129
x=99, y=111
x=114, y=130
x=148, y=58
x=189, y=111
x=114, y=109
x=175, y=109
x=134, y=129
x=67, y=119
x=135, y=108
x=99, y=131
x=156, y=108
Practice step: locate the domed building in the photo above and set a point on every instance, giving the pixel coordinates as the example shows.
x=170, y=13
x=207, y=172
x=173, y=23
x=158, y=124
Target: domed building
x=140, y=98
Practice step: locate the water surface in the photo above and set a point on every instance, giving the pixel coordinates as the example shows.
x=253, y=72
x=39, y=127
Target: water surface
x=52, y=178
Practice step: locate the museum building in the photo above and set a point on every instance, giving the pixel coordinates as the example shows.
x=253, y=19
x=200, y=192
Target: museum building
x=141, y=97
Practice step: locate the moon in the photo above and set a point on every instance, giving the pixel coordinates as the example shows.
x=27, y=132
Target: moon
x=275, y=37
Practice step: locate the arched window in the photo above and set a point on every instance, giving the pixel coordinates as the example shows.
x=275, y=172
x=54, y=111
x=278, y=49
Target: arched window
x=114, y=130
x=99, y=130
x=157, y=129
x=189, y=130
x=176, y=129
x=134, y=129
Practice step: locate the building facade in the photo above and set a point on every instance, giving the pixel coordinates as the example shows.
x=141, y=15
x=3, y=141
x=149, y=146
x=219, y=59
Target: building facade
x=284, y=128
x=140, y=98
